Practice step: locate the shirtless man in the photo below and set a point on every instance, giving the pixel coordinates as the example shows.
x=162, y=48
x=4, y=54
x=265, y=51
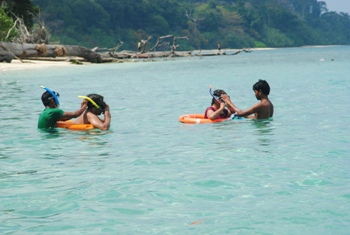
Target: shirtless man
x=261, y=110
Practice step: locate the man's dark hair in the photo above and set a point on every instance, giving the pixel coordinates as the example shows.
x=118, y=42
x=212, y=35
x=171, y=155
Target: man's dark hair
x=262, y=86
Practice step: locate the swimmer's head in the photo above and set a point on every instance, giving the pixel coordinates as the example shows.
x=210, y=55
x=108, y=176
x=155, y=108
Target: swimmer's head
x=98, y=99
x=47, y=97
x=217, y=94
x=262, y=86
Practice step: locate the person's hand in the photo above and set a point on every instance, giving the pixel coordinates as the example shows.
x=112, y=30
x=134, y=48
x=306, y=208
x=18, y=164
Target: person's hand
x=225, y=98
x=84, y=103
x=107, y=107
x=222, y=105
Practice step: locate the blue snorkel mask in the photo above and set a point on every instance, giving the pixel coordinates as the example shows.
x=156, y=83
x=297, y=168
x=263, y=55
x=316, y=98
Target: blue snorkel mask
x=55, y=95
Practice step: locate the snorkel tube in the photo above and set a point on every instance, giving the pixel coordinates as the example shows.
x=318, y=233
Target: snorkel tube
x=211, y=93
x=53, y=94
x=89, y=99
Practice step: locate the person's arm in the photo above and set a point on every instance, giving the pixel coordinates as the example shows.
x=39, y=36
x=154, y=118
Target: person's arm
x=250, y=112
x=260, y=110
x=97, y=122
x=69, y=115
x=230, y=105
x=241, y=113
x=214, y=114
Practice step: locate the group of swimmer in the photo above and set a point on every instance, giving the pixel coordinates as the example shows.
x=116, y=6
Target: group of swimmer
x=93, y=105
x=223, y=107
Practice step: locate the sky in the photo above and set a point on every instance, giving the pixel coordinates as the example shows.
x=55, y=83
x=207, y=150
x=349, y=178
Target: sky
x=338, y=5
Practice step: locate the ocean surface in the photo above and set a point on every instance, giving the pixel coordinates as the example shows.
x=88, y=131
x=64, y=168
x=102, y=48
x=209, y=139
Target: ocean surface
x=151, y=174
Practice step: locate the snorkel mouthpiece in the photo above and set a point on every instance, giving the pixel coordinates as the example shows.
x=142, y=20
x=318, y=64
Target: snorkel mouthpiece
x=53, y=95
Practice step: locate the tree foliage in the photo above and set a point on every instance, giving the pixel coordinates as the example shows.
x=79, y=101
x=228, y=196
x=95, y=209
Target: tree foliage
x=232, y=23
x=23, y=9
x=5, y=25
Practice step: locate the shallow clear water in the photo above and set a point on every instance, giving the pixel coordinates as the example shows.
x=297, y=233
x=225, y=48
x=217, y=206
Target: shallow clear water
x=151, y=174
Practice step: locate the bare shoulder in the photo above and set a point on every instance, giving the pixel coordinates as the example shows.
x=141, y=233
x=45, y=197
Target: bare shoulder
x=264, y=109
x=90, y=116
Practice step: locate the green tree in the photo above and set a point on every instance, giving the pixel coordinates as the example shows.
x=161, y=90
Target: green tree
x=235, y=23
x=24, y=9
x=5, y=25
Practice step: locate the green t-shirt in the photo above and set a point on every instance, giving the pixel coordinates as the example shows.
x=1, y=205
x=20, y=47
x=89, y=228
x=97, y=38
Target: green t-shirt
x=49, y=117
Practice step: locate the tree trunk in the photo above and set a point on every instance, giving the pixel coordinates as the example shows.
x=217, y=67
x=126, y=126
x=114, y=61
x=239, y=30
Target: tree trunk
x=26, y=50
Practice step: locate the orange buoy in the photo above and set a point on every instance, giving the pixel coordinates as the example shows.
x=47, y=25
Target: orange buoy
x=72, y=126
x=198, y=119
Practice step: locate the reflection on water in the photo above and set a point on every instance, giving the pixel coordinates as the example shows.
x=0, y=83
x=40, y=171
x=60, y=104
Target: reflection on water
x=50, y=133
x=264, y=131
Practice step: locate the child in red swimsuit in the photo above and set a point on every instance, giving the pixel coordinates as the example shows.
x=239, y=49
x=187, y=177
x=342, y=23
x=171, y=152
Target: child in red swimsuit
x=218, y=109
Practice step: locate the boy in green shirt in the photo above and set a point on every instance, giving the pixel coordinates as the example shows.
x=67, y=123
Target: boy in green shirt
x=51, y=114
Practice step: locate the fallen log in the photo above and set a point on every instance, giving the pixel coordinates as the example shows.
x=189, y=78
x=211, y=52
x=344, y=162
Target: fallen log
x=7, y=58
x=26, y=51
x=9, y=51
x=147, y=55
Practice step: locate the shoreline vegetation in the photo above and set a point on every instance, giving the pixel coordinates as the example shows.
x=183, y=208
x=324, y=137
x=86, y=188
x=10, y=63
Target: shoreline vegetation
x=33, y=29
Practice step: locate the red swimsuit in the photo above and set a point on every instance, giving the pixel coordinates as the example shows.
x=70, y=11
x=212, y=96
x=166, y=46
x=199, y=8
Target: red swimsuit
x=222, y=115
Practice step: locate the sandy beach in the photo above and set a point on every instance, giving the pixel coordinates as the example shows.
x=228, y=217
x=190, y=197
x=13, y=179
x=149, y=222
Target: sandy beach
x=32, y=64
x=39, y=64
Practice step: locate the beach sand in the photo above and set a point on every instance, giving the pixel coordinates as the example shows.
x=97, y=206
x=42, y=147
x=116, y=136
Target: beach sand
x=32, y=64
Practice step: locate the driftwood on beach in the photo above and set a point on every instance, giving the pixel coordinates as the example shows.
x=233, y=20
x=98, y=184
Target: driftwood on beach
x=145, y=55
x=35, y=45
x=9, y=51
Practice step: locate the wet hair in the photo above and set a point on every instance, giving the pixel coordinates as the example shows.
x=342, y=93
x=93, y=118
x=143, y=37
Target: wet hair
x=98, y=100
x=262, y=86
x=47, y=97
x=218, y=94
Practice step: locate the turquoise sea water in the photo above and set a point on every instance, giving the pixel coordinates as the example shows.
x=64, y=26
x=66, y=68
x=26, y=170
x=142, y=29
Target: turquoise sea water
x=151, y=174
